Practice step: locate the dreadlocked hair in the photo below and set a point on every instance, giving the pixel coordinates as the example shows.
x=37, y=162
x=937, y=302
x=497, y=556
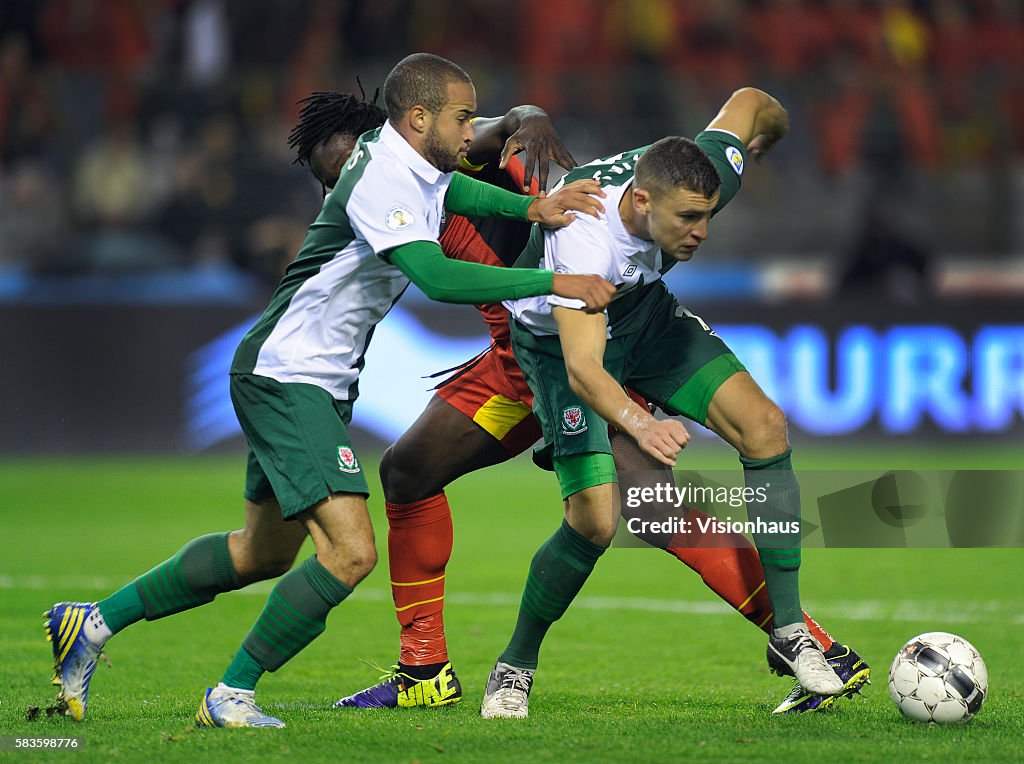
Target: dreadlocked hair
x=324, y=114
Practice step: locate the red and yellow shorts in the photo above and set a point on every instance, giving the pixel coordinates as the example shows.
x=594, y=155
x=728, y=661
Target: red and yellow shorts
x=494, y=394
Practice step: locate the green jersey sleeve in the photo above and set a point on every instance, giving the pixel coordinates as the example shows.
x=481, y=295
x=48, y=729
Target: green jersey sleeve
x=463, y=282
x=728, y=155
x=474, y=198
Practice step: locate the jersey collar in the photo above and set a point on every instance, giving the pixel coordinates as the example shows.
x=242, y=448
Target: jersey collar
x=615, y=225
x=406, y=154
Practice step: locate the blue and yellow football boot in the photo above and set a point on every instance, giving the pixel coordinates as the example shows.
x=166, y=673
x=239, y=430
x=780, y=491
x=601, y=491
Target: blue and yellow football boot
x=226, y=707
x=74, y=656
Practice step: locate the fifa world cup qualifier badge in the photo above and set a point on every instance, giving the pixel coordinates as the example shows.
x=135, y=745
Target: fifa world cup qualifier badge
x=347, y=461
x=735, y=159
x=399, y=218
x=573, y=420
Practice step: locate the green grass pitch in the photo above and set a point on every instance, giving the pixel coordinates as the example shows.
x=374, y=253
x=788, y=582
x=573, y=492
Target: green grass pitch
x=644, y=667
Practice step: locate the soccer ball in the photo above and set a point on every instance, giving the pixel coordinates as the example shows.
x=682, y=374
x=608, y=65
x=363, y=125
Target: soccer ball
x=938, y=677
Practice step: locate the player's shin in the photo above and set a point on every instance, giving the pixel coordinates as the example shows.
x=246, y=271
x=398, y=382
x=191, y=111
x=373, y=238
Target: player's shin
x=419, y=547
x=557, y=573
x=819, y=633
x=730, y=566
x=775, y=509
x=199, y=571
x=295, y=615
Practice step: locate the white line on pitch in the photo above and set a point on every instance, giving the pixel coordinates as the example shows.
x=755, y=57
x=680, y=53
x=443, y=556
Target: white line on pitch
x=975, y=611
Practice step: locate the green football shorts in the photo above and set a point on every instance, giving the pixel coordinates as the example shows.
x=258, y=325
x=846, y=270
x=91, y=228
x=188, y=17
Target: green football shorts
x=674, y=360
x=300, y=451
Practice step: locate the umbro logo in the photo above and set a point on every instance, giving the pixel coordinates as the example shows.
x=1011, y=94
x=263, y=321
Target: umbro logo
x=629, y=271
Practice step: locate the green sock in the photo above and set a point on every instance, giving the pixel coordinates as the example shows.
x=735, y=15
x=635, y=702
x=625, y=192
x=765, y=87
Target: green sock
x=122, y=608
x=557, y=573
x=200, y=571
x=244, y=672
x=780, y=552
x=295, y=615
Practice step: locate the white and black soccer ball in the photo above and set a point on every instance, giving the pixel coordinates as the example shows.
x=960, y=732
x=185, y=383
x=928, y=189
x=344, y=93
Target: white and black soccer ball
x=938, y=677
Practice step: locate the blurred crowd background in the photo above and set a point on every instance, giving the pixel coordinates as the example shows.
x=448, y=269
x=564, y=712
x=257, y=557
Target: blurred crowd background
x=148, y=136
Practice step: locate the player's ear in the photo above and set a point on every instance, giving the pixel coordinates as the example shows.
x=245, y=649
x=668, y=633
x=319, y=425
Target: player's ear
x=420, y=118
x=641, y=200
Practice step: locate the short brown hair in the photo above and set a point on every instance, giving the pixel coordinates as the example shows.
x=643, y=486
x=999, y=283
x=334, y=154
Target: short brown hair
x=421, y=78
x=674, y=163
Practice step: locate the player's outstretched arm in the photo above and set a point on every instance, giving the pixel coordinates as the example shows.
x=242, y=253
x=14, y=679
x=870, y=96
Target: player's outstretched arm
x=755, y=117
x=471, y=197
x=522, y=128
x=582, y=337
x=441, y=278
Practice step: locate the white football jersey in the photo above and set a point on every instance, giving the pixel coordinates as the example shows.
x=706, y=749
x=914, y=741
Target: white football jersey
x=320, y=319
x=602, y=245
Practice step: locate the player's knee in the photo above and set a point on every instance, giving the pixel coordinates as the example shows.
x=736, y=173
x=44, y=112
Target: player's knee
x=257, y=558
x=773, y=425
x=766, y=434
x=274, y=566
x=398, y=477
x=598, y=530
x=591, y=515
x=253, y=570
x=351, y=566
x=387, y=467
x=362, y=562
x=602, y=531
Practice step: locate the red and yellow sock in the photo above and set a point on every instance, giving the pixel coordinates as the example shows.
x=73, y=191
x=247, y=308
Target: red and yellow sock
x=729, y=565
x=419, y=547
x=817, y=632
